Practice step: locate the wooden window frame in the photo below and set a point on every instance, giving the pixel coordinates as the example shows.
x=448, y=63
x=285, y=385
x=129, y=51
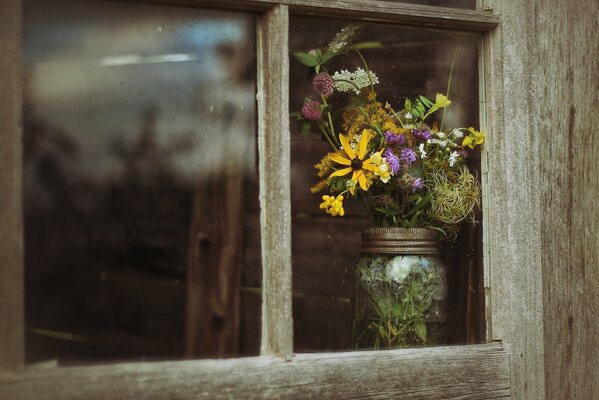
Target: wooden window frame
x=510, y=364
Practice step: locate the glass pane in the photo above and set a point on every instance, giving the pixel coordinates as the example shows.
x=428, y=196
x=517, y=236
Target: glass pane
x=140, y=138
x=467, y=4
x=408, y=62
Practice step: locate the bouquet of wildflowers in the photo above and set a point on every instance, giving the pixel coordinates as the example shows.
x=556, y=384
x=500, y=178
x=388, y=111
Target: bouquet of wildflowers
x=407, y=169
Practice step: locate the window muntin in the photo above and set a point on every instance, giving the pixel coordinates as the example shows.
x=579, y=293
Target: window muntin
x=132, y=114
x=412, y=61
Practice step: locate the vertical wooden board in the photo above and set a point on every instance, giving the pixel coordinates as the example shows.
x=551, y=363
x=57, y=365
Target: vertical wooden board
x=214, y=262
x=514, y=208
x=567, y=81
x=11, y=226
x=274, y=167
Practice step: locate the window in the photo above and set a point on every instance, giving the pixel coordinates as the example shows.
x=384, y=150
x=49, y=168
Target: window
x=139, y=165
x=449, y=369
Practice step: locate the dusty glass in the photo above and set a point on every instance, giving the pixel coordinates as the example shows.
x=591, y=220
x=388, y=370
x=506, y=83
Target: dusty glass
x=408, y=61
x=140, y=138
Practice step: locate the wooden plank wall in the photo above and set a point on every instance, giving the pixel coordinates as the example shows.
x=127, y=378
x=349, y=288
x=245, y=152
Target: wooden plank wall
x=566, y=99
x=11, y=227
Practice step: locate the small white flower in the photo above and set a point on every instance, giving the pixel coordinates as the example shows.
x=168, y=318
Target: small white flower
x=457, y=133
x=408, y=115
x=453, y=158
x=441, y=134
x=346, y=81
x=422, y=151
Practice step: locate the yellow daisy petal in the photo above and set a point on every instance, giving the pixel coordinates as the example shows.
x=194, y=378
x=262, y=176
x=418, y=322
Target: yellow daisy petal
x=346, y=147
x=340, y=159
x=363, y=145
x=362, y=181
x=340, y=172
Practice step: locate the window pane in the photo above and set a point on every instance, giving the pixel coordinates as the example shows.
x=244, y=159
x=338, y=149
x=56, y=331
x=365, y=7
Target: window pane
x=408, y=62
x=140, y=140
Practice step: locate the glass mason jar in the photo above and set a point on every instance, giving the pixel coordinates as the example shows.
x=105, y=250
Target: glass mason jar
x=401, y=291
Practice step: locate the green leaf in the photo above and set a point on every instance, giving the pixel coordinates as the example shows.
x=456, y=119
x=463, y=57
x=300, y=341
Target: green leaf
x=368, y=45
x=387, y=211
x=307, y=59
x=426, y=101
x=420, y=329
x=407, y=105
x=306, y=127
x=326, y=56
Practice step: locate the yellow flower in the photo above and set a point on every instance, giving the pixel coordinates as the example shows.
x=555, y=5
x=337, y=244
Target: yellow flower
x=382, y=169
x=468, y=142
x=479, y=137
x=333, y=205
x=441, y=101
x=475, y=137
x=354, y=163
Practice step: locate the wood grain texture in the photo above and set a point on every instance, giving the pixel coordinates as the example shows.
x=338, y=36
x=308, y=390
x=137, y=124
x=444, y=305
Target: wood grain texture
x=275, y=189
x=473, y=372
x=214, y=260
x=11, y=225
x=567, y=83
x=368, y=10
x=513, y=214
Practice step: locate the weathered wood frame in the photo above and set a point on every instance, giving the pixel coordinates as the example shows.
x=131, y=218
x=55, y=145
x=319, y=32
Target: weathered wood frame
x=479, y=371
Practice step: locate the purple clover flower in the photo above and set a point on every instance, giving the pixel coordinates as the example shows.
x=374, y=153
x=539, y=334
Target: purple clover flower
x=392, y=160
x=408, y=156
x=323, y=84
x=422, y=134
x=311, y=110
x=416, y=184
x=392, y=138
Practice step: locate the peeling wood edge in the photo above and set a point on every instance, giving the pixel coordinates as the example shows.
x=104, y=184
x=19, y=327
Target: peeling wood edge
x=275, y=189
x=476, y=371
x=365, y=10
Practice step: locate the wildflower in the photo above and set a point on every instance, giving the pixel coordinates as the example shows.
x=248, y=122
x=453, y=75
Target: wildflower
x=453, y=158
x=319, y=186
x=311, y=110
x=475, y=137
x=343, y=39
x=333, y=205
x=416, y=184
x=354, y=163
x=382, y=167
x=392, y=160
x=412, y=183
x=392, y=138
x=422, y=151
x=441, y=101
x=346, y=81
x=422, y=134
x=408, y=156
x=457, y=133
x=323, y=83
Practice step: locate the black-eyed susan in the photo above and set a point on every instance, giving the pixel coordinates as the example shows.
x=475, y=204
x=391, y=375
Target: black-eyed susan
x=354, y=163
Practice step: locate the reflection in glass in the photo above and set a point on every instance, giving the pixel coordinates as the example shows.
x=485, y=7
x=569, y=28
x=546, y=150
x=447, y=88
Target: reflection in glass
x=139, y=133
x=409, y=62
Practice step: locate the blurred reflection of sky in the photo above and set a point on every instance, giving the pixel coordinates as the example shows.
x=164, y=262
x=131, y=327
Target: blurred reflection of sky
x=94, y=67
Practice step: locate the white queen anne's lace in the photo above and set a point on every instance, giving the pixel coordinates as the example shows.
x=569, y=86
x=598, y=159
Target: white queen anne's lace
x=346, y=81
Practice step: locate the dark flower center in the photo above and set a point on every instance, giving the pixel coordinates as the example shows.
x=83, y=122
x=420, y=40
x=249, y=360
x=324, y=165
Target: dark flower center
x=356, y=164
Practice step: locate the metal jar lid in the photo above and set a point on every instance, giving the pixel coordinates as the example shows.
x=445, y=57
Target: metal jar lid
x=400, y=241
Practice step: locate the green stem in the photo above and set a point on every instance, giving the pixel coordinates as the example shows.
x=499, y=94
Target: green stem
x=331, y=127
x=326, y=135
x=455, y=50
